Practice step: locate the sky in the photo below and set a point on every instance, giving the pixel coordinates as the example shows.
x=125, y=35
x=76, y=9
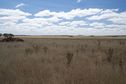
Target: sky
x=63, y=17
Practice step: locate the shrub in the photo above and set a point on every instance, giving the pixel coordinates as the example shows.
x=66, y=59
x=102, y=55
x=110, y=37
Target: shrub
x=109, y=53
x=36, y=48
x=45, y=49
x=69, y=57
x=28, y=51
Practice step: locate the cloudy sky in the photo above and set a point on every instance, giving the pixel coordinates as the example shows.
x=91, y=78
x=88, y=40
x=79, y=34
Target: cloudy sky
x=63, y=17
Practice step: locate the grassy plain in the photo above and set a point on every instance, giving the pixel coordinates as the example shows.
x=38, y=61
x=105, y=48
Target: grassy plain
x=63, y=60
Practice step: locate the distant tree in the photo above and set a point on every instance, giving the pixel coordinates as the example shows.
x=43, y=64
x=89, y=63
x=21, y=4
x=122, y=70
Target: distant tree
x=0, y=34
x=11, y=35
x=6, y=35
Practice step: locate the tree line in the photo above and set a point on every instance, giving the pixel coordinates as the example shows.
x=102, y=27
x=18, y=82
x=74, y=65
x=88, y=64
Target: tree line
x=7, y=35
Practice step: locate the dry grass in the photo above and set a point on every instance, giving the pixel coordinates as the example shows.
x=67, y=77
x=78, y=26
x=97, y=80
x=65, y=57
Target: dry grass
x=63, y=61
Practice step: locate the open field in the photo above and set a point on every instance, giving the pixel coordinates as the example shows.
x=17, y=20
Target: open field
x=63, y=60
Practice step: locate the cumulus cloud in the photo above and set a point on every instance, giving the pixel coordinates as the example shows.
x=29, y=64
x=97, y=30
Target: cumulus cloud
x=41, y=22
x=19, y=5
x=69, y=15
x=119, y=19
x=92, y=21
x=111, y=15
x=97, y=25
x=12, y=15
x=103, y=14
x=75, y=24
x=13, y=12
x=78, y=1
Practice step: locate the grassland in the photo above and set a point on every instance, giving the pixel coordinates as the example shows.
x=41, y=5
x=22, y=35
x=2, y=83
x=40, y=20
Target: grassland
x=63, y=60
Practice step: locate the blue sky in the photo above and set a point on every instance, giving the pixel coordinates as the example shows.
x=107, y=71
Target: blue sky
x=58, y=17
x=63, y=5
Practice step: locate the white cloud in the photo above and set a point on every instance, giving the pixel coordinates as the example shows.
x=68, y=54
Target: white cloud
x=78, y=1
x=69, y=15
x=75, y=24
x=12, y=15
x=92, y=21
x=40, y=22
x=20, y=5
x=13, y=12
x=110, y=15
x=97, y=25
x=119, y=19
x=45, y=13
x=104, y=14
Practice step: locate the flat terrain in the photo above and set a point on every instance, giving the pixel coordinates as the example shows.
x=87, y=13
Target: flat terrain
x=63, y=60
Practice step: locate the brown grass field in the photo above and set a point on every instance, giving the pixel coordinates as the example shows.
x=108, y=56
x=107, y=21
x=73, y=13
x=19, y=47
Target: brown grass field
x=63, y=60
